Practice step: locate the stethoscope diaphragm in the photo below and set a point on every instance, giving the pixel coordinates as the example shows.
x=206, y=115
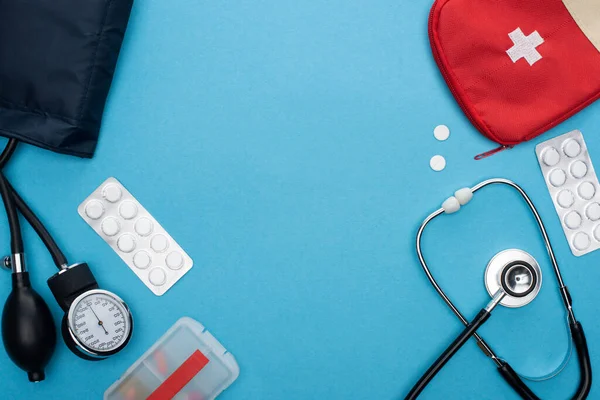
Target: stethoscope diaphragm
x=515, y=272
x=518, y=279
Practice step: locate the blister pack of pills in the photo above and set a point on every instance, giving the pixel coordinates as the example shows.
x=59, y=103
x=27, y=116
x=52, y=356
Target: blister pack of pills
x=573, y=186
x=135, y=236
x=186, y=363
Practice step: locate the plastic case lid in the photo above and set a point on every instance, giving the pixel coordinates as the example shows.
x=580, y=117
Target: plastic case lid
x=186, y=363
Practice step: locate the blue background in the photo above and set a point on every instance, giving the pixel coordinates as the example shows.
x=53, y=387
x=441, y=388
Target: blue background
x=285, y=145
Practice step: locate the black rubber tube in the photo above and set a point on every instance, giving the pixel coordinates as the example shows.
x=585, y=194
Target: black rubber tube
x=448, y=354
x=585, y=365
x=514, y=380
x=585, y=369
x=8, y=151
x=57, y=255
x=16, y=239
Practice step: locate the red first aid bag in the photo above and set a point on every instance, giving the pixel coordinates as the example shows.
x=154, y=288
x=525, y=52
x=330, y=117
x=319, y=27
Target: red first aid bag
x=518, y=67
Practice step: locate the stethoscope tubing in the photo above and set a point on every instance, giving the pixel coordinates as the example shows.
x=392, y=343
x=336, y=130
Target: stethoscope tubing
x=504, y=368
x=450, y=351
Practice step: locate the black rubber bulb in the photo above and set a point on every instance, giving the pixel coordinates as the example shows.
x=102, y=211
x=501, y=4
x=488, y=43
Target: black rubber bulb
x=28, y=330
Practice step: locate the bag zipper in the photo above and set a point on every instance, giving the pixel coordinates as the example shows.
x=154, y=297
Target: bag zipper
x=458, y=98
x=492, y=152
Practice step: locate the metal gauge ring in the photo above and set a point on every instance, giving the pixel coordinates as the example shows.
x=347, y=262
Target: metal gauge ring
x=508, y=263
x=98, y=324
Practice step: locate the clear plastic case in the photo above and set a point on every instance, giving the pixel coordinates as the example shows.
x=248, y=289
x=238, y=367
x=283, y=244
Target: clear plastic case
x=187, y=363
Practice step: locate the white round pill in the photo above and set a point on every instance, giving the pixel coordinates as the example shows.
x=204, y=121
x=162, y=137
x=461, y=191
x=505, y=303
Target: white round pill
x=597, y=233
x=159, y=243
x=551, y=157
x=128, y=210
x=157, y=276
x=586, y=190
x=581, y=241
x=111, y=193
x=437, y=163
x=565, y=198
x=143, y=226
x=578, y=169
x=441, y=132
x=593, y=212
x=572, y=148
x=110, y=226
x=94, y=209
x=174, y=260
x=126, y=243
x=142, y=259
x=558, y=177
x=573, y=220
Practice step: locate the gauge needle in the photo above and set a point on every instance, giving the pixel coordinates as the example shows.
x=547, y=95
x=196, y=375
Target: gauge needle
x=99, y=322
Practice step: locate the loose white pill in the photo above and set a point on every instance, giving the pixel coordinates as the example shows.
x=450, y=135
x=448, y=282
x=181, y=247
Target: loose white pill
x=593, y=211
x=463, y=195
x=581, y=241
x=586, y=190
x=128, y=210
x=565, y=198
x=112, y=193
x=573, y=220
x=159, y=243
x=597, y=233
x=441, y=132
x=142, y=259
x=110, y=226
x=143, y=226
x=451, y=205
x=558, y=177
x=572, y=148
x=579, y=169
x=174, y=260
x=157, y=276
x=551, y=157
x=94, y=209
x=437, y=163
x=126, y=243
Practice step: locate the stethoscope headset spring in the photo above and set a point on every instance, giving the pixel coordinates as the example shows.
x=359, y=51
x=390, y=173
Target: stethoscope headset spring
x=523, y=270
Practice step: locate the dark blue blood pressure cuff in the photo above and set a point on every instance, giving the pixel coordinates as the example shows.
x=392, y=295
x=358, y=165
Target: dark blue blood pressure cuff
x=57, y=59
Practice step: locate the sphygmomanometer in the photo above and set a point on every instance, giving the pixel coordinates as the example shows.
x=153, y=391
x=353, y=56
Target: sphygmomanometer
x=57, y=60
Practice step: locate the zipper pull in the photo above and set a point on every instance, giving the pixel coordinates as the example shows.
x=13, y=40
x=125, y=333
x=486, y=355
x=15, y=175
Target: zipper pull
x=492, y=152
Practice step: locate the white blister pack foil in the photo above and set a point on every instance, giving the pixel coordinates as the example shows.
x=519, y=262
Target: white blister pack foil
x=573, y=186
x=140, y=241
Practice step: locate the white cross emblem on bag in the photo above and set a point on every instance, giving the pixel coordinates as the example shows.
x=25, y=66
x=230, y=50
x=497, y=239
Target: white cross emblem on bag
x=525, y=46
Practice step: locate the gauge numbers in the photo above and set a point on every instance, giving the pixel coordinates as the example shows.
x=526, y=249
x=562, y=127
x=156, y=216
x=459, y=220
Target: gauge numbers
x=100, y=322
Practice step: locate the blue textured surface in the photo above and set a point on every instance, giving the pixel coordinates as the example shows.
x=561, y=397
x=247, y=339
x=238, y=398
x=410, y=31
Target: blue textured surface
x=285, y=145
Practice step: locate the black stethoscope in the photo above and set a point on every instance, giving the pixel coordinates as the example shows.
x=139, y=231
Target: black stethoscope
x=96, y=323
x=513, y=279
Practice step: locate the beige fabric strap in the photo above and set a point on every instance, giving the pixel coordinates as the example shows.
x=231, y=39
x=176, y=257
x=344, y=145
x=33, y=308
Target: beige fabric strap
x=587, y=15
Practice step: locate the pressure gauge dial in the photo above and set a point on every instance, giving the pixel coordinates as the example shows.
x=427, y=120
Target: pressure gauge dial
x=99, y=323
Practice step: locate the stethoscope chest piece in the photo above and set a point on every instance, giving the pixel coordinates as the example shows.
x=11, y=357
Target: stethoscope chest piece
x=515, y=272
